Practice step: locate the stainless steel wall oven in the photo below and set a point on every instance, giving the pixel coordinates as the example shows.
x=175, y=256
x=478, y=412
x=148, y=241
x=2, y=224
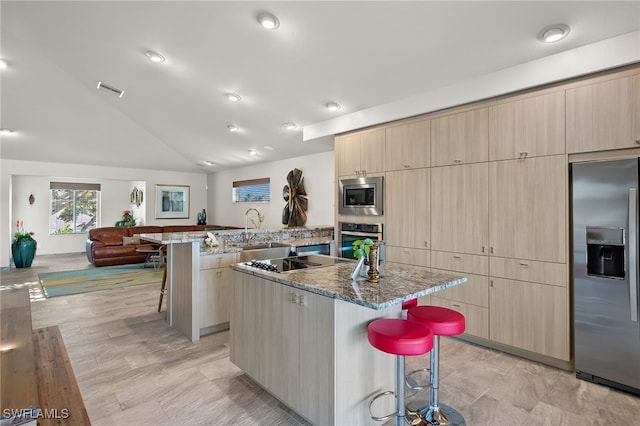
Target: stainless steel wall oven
x=350, y=232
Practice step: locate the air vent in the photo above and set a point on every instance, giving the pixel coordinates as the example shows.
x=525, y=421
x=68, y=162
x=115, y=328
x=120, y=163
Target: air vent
x=118, y=92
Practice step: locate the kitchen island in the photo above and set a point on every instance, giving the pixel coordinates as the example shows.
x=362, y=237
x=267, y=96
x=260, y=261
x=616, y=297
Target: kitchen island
x=302, y=335
x=198, y=277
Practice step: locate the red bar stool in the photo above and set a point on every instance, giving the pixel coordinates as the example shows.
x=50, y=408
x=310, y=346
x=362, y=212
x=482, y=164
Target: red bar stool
x=443, y=322
x=401, y=338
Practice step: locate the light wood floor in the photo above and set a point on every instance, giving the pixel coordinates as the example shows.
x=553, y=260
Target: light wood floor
x=133, y=369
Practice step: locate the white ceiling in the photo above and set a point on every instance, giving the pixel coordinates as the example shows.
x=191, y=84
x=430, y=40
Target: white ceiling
x=174, y=115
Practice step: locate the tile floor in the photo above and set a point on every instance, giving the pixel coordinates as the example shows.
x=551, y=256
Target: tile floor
x=133, y=369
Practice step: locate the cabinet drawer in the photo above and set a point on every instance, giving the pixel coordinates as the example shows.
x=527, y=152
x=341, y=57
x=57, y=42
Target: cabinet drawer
x=529, y=270
x=476, y=318
x=473, y=264
x=211, y=261
x=475, y=291
x=409, y=256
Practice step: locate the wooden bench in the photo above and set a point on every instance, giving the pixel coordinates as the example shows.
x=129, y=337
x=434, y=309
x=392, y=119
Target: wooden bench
x=17, y=362
x=58, y=392
x=35, y=371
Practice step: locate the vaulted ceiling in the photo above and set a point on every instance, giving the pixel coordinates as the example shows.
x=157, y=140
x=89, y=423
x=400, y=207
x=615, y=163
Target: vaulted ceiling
x=174, y=115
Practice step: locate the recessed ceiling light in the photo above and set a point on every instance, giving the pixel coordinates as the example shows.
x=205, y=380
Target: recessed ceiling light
x=233, y=128
x=3, y=64
x=233, y=97
x=268, y=148
x=6, y=131
x=268, y=21
x=155, y=56
x=253, y=152
x=290, y=126
x=553, y=33
x=332, y=106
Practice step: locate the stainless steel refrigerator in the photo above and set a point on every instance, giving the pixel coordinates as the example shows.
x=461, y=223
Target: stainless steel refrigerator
x=605, y=268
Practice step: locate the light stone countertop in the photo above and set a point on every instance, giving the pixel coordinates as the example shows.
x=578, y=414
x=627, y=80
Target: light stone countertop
x=399, y=283
x=187, y=237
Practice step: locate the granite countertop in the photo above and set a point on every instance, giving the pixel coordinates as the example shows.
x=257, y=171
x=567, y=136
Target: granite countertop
x=399, y=283
x=186, y=237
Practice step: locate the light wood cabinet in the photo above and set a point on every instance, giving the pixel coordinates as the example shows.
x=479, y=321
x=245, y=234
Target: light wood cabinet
x=530, y=316
x=529, y=270
x=360, y=153
x=476, y=317
x=528, y=127
x=527, y=208
x=308, y=350
x=407, y=146
x=407, y=208
x=460, y=138
x=214, y=288
x=460, y=208
x=604, y=115
x=283, y=340
x=408, y=256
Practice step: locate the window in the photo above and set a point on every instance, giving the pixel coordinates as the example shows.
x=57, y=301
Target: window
x=252, y=191
x=74, y=207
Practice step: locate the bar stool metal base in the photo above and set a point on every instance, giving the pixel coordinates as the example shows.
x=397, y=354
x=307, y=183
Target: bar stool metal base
x=419, y=413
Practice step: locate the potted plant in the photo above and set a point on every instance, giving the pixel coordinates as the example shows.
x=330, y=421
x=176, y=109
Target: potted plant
x=361, y=250
x=23, y=247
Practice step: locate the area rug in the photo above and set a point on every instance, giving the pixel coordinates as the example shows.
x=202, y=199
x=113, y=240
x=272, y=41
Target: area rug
x=94, y=279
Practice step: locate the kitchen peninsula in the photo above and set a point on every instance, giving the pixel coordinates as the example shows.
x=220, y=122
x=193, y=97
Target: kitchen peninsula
x=302, y=335
x=198, y=279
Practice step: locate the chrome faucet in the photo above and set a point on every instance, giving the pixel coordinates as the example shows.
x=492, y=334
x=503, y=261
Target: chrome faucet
x=246, y=222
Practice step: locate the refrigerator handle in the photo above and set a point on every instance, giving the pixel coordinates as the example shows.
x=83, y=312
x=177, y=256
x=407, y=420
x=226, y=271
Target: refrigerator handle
x=633, y=264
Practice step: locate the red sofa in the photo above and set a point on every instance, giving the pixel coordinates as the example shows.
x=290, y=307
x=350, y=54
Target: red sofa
x=118, y=246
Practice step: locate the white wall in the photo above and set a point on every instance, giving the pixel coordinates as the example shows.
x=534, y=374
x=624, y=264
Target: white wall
x=319, y=182
x=18, y=179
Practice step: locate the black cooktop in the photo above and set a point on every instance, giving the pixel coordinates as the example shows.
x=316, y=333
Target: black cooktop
x=286, y=264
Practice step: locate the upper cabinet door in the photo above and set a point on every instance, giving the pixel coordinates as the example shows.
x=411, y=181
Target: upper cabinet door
x=407, y=146
x=604, y=115
x=360, y=153
x=460, y=138
x=407, y=208
x=528, y=127
x=347, y=152
x=372, y=151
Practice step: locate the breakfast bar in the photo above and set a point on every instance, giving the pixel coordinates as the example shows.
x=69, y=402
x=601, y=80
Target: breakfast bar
x=302, y=334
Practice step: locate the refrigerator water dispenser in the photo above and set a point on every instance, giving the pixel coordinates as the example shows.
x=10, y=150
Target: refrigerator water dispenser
x=605, y=252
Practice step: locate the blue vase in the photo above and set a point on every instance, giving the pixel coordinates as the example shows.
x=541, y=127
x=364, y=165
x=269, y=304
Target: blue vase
x=23, y=251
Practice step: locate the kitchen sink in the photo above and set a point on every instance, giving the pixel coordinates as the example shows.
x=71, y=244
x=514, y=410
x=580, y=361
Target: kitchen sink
x=263, y=251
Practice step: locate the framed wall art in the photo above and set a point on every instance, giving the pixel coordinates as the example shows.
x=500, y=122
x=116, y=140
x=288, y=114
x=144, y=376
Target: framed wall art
x=172, y=201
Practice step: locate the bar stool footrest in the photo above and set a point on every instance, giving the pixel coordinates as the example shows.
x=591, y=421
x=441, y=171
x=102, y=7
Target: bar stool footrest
x=380, y=395
x=413, y=384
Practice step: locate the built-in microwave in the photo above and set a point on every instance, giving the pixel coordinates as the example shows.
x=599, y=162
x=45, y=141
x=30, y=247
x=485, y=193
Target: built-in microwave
x=361, y=196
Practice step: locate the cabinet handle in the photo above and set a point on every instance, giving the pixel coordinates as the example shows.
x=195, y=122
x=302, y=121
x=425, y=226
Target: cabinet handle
x=405, y=250
x=457, y=161
x=491, y=283
x=457, y=257
x=294, y=298
x=524, y=265
x=426, y=244
x=357, y=172
x=364, y=172
x=455, y=305
x=484, y=249
x=407, y=166
x=637, y=141
x=301, y=300
x=524, y=154
x=491, y=250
